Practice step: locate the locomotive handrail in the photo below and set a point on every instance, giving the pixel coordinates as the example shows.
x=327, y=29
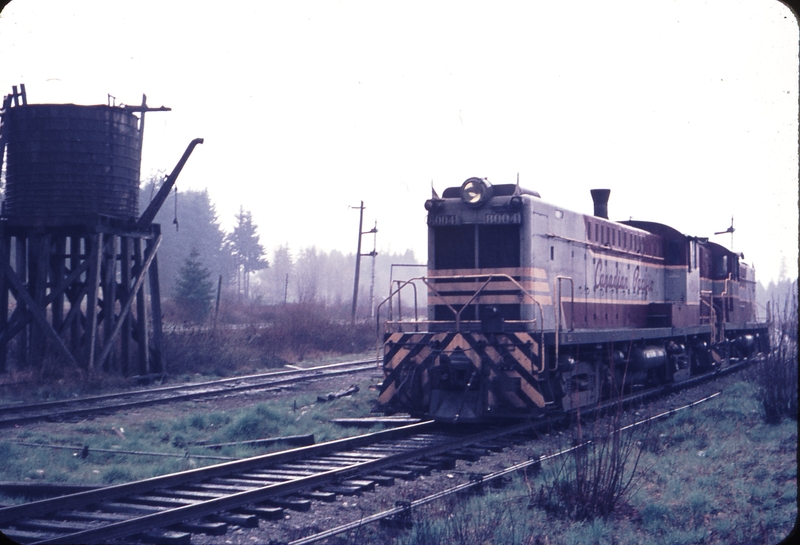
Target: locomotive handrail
x=465, y=305
x=392, y=281
x=399, y=307
x=489, y=278
x=558, y=311
x=712, y=317
x=400, y=286
x=457, y=313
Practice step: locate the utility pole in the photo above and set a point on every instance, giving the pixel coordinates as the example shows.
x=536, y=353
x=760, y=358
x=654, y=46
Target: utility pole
x=373, y=253
x=358, y=258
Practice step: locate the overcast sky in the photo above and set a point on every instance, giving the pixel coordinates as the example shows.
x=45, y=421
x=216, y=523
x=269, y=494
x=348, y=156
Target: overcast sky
x=686, y=109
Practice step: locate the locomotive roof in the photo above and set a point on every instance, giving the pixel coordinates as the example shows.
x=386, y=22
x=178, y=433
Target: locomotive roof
x=720, y=249
x=499, y=190
x=659, y=229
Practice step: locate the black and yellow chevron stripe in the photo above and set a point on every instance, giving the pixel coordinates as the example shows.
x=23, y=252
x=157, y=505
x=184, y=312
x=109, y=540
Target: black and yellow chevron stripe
x=503, y=367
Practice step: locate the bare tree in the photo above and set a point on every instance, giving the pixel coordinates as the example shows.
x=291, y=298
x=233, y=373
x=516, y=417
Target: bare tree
x=276, y=277
x=308, y=272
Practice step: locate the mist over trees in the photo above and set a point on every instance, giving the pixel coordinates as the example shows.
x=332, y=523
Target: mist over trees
x=777, y=294
x=326, y=278
x=194, y=242
x=197, y=228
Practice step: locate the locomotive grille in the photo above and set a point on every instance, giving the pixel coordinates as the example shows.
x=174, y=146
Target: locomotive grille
x=476, y=246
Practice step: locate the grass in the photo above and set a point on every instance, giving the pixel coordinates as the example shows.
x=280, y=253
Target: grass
x=716, y=474
x=300, y=415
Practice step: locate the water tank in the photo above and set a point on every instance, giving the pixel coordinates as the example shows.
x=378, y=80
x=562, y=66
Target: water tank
x=68, y=164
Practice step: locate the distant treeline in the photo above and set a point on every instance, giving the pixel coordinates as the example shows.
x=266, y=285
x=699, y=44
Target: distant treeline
x=282, y=274
x=776, y=295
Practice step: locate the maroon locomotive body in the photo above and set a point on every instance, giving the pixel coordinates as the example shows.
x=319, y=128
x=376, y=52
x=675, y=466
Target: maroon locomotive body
x=532, y=307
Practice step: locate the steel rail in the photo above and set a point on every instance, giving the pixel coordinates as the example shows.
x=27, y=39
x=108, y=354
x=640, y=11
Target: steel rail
x=10, y=407
x=72, y=501
x=485, y=479
x=193, y=391
x=168, y=517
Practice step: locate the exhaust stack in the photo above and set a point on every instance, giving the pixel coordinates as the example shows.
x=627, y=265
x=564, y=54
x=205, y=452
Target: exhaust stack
x=600, y=198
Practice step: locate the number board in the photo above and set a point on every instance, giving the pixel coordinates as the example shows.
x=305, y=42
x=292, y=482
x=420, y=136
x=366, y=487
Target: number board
x=505, y=218
x=443, y=219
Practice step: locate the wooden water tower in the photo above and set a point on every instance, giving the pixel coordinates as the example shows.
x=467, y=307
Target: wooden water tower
x=75, y=255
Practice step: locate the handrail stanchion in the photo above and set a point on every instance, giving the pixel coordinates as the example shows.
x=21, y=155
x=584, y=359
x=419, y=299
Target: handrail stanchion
x=559, y=312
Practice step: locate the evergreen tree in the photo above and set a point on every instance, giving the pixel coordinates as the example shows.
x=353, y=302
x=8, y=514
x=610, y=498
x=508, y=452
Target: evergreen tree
x=194, y=290
x=246, y=250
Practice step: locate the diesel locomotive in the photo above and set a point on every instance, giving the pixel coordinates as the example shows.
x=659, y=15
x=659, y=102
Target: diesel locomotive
x=533, y=308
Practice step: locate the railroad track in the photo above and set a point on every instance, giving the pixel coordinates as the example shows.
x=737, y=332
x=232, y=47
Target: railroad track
x=11, y=414
x=400, y=514
x=168, y=509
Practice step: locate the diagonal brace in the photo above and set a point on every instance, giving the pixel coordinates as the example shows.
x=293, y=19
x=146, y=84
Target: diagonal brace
x=35, y=311
x=18, y=320
x=150, y=253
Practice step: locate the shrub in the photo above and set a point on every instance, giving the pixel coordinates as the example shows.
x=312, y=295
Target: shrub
x=593, y=479
x=292, y=332
x=776, y=376
x=197, y=350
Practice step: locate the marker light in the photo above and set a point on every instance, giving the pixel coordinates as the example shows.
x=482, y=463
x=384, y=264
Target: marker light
x=475, y=191
x=433, y=204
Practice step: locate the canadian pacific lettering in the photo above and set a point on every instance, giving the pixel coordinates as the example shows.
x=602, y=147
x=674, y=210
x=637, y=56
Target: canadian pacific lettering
x=640, y=281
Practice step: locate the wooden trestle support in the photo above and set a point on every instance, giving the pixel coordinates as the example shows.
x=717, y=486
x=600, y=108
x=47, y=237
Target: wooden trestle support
x=77, y=297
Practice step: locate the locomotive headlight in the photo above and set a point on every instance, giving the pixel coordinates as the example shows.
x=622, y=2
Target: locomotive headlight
x=475, y=191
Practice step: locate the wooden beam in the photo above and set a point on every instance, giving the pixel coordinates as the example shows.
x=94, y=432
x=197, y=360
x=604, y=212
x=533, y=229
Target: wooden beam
x=77, y=293
x=155, y=302
x=58, y=269
x=5, y=241
x=38, y=258
x=122, y=294
x=19, y=318
x=74, y=311
x=20, y=245
x=137, y=293
x=93, y=280
x=142, y=337
x=109, y=287
x=37, y=313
